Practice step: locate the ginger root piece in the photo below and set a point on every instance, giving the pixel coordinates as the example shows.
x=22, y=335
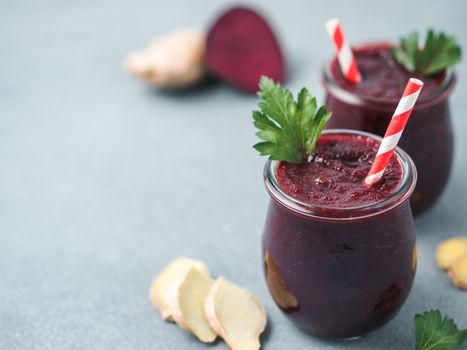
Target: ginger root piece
x=414, y=257
x=448, y=251
x=281, y=295
x=170, y=279
x=190, y=304
x=235, y=315
x=175, y=60
x=458, y=272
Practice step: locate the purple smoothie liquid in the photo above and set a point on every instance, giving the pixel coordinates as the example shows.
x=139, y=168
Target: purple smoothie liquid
x=369, y=105
x=334, y=176
x=341, y=262
x=382, y=76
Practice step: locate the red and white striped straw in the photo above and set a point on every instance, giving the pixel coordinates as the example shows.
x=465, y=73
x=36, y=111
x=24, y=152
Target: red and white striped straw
x=344, y=52
x=394, y=131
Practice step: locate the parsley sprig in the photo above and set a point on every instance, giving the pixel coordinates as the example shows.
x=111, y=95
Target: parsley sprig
x=439, y=52
x=289, y=129
x=435, y=332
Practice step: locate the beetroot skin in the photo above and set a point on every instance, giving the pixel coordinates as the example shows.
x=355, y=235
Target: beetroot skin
x=241, y=47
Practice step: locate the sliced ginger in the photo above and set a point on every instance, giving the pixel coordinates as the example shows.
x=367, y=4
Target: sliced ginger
x=235, y=315
x=450, y=250
x=283, y=297
x=191, y=295
x=458, y=271
x=185, y=293
x=175, y=60
x=168, y=281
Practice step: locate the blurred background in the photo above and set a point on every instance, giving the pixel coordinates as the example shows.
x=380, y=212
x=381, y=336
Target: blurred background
x=104, y=179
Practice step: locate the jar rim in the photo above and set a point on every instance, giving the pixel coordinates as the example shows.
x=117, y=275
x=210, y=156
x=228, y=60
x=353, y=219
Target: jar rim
x=332, y=87
x=323, y=212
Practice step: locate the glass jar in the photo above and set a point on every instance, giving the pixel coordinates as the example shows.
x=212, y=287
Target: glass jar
x=340, y=272
x=428, y=135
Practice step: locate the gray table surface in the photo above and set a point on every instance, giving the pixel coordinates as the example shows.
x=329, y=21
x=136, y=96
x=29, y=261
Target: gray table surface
x=103, y=180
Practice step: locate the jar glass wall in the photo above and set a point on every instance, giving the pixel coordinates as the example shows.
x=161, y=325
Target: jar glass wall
x=428, y=136
x=340, y=273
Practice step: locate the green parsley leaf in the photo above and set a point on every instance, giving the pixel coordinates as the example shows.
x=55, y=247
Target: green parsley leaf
x=435, y=332
x=289, y=129
x=440, y=52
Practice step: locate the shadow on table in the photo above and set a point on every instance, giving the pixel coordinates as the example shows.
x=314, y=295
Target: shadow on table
x=444, y=214
x=386, y=338
x=267, y=333
x=194, y=91
x=389, y=337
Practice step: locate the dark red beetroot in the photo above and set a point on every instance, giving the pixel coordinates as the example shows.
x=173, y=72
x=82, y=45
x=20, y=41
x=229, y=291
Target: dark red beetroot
x=241, y=47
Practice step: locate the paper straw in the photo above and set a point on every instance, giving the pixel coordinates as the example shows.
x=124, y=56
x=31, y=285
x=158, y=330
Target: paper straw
x=344, y=52
x=394, y=131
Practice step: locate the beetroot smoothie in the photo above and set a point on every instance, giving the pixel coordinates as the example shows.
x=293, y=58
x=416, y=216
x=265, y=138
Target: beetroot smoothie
x=340, y=257
x=368, y=106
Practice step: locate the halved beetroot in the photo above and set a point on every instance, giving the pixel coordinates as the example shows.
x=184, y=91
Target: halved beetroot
x=241, y=47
